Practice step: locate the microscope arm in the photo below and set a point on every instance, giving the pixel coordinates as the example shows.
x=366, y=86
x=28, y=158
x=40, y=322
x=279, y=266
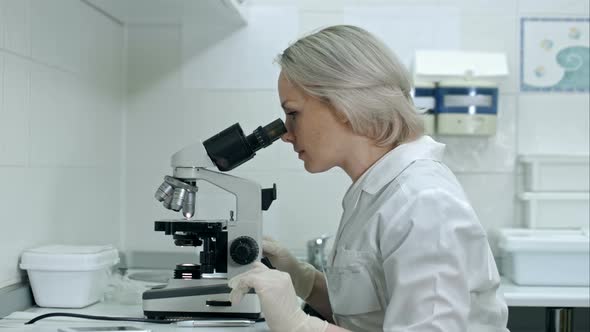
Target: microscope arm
x=247, y=193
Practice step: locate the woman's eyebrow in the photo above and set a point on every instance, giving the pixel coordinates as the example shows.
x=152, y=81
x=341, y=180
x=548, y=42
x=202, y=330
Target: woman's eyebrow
x=290, y=107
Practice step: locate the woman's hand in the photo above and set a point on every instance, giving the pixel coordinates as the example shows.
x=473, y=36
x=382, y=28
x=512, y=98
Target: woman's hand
x=302, y=274
x=277, y=299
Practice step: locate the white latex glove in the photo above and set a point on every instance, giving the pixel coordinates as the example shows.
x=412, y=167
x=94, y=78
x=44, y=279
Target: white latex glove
x=302, y=274
x=277, y=299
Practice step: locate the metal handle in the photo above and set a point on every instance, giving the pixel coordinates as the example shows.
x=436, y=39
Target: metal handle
x=559, y=319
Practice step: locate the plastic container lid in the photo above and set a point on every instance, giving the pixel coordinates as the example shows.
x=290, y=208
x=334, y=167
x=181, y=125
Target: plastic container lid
x=69, y=258
x=554, y=196
x=543, y=240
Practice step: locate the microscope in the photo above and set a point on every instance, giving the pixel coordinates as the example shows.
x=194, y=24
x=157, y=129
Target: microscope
x=227, y=247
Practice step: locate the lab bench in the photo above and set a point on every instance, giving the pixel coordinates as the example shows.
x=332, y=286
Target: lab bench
x=123, y=299
x=14, y=322
x=557, y=300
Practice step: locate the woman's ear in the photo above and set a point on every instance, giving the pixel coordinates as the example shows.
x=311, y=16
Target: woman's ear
x=340, y=116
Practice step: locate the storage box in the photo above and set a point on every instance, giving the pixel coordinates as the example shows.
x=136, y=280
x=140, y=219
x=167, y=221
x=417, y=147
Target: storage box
x=556, y=173
x=64, y=276
x=545, y=257
x=555, y=210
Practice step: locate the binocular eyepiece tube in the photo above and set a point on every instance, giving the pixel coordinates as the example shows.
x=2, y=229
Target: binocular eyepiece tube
x=231, y=148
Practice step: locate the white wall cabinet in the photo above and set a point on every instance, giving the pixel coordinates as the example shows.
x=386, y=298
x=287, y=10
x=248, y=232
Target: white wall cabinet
x=205, y=12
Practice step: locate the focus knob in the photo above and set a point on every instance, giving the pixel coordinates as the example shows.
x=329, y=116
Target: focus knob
x=243, y=250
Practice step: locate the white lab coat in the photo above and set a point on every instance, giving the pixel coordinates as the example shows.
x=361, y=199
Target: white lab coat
x=410, y=254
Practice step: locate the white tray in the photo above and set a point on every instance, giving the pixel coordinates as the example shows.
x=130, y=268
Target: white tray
x=545, y=257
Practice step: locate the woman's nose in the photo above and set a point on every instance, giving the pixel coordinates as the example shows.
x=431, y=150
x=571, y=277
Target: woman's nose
x=287, y=137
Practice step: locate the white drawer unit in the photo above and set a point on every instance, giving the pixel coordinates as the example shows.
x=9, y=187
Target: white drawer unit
x=553, y=191
x=569, y=173
x=555, y=210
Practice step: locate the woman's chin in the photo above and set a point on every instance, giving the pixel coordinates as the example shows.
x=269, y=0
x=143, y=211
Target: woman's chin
x=314, y=168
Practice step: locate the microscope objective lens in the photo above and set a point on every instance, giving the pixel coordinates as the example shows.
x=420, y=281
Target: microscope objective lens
x=188, y=205
x=163, y=192
x=167, y=202
x=178, y=199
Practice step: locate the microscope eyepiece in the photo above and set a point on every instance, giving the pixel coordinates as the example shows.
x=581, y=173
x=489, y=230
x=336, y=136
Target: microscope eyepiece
x=265, y=136
x=275, y=129
x=231, y=148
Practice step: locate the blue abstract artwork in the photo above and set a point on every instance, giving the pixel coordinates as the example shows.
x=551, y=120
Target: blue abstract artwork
x=555, y=54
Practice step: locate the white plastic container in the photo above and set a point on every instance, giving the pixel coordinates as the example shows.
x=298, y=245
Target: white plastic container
x=533, y=257
x=556, y=173
x=64, y=276
x=556, y=210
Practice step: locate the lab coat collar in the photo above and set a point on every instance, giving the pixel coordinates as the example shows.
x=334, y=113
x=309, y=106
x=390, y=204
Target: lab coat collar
x=391, y=165
x=395, y=161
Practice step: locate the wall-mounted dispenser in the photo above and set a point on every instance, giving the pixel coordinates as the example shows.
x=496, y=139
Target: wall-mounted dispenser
x=425, y=102
x=466, y=109
x=466, y=92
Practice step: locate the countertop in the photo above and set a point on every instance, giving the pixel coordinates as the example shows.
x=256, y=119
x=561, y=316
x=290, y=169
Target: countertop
x=15, y=321
x=537, y=296
x=123, y=299
x=515, y=296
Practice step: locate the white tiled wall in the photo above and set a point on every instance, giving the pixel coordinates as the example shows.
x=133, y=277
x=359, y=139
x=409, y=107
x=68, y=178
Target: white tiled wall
x=61, y=106
x=81, y=153
x=563, y=115
x=165, y=114
x=17, y=26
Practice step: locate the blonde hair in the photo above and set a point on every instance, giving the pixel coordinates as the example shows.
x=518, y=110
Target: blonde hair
x=360, y=77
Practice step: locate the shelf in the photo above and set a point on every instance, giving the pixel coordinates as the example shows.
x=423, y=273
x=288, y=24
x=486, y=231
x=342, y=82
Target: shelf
x=565, y=173
x=554, y=196
x=201, y=12
x=569, y=158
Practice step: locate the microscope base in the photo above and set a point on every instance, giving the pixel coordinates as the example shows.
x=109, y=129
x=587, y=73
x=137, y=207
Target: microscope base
x=208, y=301
x=187, y=314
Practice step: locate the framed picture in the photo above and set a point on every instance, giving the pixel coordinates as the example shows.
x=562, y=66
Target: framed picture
x=555, y=54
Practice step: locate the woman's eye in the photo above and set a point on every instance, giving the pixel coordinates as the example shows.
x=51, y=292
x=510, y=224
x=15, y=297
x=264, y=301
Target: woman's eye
x=292, y=115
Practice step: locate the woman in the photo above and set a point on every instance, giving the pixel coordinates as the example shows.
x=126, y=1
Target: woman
x=410, y=253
